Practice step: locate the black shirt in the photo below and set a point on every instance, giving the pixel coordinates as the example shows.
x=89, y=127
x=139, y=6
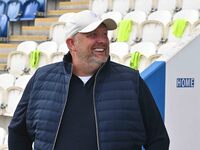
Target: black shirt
x=78, y=130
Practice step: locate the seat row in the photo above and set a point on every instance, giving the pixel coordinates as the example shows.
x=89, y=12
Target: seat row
x=23, y=9
x=30, y=55
x=159, y=27
x=125, y=6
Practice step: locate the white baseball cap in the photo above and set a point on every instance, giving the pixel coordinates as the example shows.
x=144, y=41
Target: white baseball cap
x=87, y=21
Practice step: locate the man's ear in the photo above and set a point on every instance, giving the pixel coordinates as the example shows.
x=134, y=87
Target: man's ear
x=70, y=44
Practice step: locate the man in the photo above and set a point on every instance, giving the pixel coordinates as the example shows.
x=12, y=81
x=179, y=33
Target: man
x=87, y=102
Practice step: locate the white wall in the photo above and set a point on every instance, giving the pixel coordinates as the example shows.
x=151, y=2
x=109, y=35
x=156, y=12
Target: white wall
x=182, y=104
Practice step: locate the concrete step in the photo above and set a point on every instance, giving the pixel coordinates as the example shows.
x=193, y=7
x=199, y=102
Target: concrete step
x=45, y=21
x=57, y=13
x=5, y=49
x=74, y=5
x=3, y=67
x=20, y=38
x=35, y=30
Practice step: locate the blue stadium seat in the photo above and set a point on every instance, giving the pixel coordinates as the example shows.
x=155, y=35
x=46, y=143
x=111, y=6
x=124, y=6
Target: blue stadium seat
x=14, y=8
x=2, y=7
x=22, y=1
x=42, y=7
x=30, y=10
x=4, y=27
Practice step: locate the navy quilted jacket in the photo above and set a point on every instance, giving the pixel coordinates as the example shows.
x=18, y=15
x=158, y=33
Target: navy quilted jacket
x=118, y=117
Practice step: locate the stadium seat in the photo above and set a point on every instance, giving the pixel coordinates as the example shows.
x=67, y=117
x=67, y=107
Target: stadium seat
x=169, y=5
x=42, y=61
x=42, y=10
x=17, y=63
x=166, y=48
x=136, y=16
x=65, y=17
x=30, y=10
x=145, y=48
x=14, y=94
x=163, y=16
x=48, y=47
x=2, y=99
x=27, y=46
x=196, y=26
x=63, y=48
x=144, y=5
x=22, y=1
x=115, y=15
x=131, y=36
x=56, y=57
x=4, y=28
x=57, y=32
x=118, y=50
x=100, y=6
x=14, y=10
x=170, y=32
x=123, y=6
x=2, y=135
x=6, y=80
x=191, y=15
x=191, y=4
x=152, y=31
x=2, y=7
x=22, y=81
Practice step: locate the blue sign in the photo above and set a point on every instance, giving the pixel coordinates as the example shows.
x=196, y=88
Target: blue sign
x=185, y=82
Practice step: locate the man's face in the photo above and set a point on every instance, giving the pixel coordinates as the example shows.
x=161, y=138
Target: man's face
x=93, y=47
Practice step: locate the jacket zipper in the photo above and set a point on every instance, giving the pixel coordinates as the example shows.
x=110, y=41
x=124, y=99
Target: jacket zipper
x=95, y=112
x=62, y=113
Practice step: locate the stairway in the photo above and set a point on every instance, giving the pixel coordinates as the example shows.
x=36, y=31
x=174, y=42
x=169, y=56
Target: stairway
x=39, y=30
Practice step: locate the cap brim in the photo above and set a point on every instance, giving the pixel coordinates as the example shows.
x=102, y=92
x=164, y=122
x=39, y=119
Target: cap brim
x=109, y=23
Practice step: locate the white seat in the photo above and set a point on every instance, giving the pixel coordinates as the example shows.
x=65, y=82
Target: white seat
x=2, y=99
x=43, y=60
x=119, y=49
x=190, y=15
x=13, y=97
x=196, y=26
x=100, y=6
x=66, y=17
x=17, y=63
x=141, y=64
x=163, y=16
x=137, y=16
x=133, y=33
x=7, y=80
x=166, y=48
x=170, y=35
x=27, y=46
x=144, y=5
x=48, y=47
x=123, y=6
x=169, y=5
x=22, y=81
x=63, y=48
x=115, y=15
x=191, y=4
x=58, y=32
x=152, y=31
x=145, y=48
x=2, y=135
x=56, y=57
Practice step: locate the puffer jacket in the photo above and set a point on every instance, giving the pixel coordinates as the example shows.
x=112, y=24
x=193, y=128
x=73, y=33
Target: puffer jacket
x=118, y=117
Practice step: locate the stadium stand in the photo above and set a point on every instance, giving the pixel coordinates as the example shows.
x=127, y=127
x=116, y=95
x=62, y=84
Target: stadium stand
x=2, y=7
x=4, y=28
x=14, y=10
